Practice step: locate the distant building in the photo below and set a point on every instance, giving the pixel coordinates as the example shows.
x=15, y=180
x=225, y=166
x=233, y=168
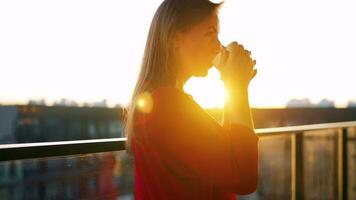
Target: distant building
x=8, y=116
x=40, y=102
x=299, y=103
x=78, y=177
x=351, y=104
x=102, y=103
x=33, y=123
x=306, y=103
x=66, y=102
x=325, y=103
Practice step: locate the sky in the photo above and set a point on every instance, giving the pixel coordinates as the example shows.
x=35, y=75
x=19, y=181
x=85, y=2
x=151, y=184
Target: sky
x=89, y=50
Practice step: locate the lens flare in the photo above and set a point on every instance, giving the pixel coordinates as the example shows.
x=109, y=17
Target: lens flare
x=144, y=102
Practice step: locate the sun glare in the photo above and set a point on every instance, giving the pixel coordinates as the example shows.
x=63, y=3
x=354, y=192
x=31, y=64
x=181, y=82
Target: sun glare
x=208, y=91
x=99, y=51
x=145, y=102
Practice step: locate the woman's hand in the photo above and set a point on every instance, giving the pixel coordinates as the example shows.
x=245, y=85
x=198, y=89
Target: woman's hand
x=235, y=65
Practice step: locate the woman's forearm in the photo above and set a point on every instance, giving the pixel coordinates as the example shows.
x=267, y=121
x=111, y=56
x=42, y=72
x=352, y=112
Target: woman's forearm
x=237, y=109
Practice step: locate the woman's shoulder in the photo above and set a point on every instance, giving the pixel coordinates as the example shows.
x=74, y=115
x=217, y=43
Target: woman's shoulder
x=170, y=92
x=171, y=98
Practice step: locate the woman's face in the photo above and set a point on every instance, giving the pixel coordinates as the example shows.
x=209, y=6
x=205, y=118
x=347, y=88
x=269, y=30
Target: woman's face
x=197, y=46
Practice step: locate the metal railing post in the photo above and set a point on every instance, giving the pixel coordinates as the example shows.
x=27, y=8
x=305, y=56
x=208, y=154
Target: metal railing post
x=342, y=164
x=297, y=166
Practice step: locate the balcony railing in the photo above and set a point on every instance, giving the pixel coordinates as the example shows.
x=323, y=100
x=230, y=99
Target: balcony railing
x=300, y=162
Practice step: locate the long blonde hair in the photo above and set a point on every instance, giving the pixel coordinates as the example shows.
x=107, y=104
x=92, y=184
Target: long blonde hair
x=158, y=67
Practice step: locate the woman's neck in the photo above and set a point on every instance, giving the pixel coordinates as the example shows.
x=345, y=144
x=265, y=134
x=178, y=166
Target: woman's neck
x=180, y=84
x=182, y=77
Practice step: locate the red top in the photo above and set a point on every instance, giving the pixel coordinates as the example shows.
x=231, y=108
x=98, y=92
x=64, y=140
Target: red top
x=181, y=152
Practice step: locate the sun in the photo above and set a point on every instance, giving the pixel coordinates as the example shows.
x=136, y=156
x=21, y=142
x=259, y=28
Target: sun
x=207, y=91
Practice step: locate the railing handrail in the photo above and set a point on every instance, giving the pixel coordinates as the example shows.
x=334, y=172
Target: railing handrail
x=301, y=128
x=62, y=148
x=66, y=148
x=59, y=143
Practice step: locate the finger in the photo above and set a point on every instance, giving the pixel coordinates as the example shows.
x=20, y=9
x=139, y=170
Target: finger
x=224, y=57
x=254, y=73
x=241, y=48
x=250, y=61
x=233, y=46
x=254, y=62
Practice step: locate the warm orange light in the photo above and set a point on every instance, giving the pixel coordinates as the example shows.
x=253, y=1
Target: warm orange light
x=144, y=102
x=24, y=109
x=208, y=91
x=33, y=109
x=141, y=103
x=226, y=95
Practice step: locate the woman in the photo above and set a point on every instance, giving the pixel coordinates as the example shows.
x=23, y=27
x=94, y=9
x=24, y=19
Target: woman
x=181, y=152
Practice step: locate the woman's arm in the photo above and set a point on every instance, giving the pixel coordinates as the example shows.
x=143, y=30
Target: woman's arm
x=237, y=109
x=236, y=68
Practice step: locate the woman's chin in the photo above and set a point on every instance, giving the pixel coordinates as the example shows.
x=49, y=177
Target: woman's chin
x=202, y=70
x=202, y=73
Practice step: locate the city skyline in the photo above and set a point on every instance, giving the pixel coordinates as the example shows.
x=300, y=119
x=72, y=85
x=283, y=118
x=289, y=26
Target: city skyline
x=292, y=103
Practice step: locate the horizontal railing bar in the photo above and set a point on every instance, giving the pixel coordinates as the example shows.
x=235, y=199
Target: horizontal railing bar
x=58, y=143
x=63, y=148
x=293, y=129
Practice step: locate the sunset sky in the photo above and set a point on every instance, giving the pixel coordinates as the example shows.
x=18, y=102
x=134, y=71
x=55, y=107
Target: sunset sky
x=91, y=50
